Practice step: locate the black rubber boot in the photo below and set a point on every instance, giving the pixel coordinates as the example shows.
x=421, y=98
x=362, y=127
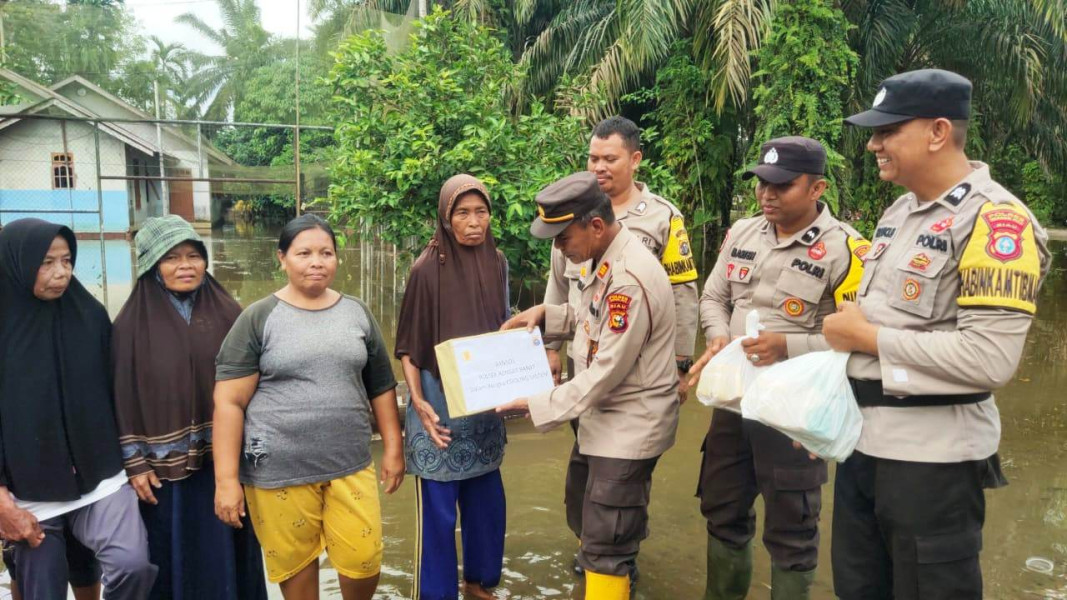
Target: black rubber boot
x=729, y=571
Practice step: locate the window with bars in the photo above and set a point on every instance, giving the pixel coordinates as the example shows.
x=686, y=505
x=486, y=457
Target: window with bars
x=62, y=170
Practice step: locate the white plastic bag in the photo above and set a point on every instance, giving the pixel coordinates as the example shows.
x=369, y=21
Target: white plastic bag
x=809, y=399
x=729, y=373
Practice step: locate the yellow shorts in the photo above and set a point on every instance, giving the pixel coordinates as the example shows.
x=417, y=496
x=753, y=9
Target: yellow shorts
x=295, y=524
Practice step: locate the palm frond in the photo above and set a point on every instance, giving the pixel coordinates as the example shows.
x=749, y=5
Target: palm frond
x=734, y=29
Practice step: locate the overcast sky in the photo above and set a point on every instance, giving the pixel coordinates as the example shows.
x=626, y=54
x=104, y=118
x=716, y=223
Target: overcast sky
x=157, y=18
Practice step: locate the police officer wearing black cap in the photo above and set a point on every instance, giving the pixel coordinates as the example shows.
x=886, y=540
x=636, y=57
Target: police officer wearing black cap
x=947, y=297
x=794, y=264
x=625, y=389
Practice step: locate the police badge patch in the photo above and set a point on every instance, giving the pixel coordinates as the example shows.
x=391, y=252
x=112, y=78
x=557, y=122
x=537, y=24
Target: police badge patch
x=618, y=312
x=1006, y=227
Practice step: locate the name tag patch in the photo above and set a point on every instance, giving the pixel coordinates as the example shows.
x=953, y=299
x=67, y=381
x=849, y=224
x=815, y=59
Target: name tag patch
x=807, y=267
x=743, y=254
x=932, y=242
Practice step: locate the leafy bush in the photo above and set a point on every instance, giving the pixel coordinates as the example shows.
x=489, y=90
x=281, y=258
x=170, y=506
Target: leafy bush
x=408, y=121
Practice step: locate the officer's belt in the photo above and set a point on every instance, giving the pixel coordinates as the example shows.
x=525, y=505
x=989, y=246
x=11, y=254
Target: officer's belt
x=869, y=393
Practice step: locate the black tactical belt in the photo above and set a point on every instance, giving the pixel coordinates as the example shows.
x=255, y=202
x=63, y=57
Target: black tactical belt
x=869, y=393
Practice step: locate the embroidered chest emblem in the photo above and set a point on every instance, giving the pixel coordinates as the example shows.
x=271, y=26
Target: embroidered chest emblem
x=920, y=261
x=794, y=307
x=912, y=289
x=942, y=225
x=817, y=251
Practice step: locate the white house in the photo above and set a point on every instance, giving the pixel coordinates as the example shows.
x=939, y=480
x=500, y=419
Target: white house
x=51, y=165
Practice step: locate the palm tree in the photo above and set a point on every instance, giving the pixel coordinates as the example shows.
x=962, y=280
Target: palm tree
x=171, y=65
x=1013, y=51
x=218, y=81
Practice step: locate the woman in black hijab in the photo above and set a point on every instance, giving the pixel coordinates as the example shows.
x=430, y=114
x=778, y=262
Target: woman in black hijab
x=60, y=465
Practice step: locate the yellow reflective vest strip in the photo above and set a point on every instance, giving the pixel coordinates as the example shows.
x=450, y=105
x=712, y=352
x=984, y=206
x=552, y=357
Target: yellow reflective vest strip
x=678, y=254
x=1001, y=266
x=846, y=290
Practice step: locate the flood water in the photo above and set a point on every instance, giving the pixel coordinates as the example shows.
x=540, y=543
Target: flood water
x=1027, y=519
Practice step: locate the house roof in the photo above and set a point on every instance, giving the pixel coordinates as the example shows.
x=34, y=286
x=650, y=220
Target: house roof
x=53, y=98
x=44, y=105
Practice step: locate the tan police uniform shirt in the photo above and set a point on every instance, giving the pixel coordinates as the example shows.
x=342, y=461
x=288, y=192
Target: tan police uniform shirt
x=625, y=389
x=793, y=282
x=661, y=228
x=953, y=284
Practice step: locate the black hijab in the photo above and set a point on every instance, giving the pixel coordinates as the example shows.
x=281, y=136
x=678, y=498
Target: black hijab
x=58, y=438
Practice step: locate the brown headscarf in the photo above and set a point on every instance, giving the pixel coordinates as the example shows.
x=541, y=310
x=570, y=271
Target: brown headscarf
x=453, y=290
x=165, y=375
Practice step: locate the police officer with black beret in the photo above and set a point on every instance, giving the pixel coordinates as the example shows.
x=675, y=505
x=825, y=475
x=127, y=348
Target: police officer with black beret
x=947, y=296
x=794, y=264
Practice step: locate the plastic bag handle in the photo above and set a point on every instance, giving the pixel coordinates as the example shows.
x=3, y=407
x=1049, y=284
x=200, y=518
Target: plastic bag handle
x=752, y=324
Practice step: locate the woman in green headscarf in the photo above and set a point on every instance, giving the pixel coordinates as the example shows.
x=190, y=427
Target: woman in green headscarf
x=165, y=340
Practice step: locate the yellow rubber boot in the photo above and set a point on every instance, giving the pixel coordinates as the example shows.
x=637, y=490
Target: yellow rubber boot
x=606, y=587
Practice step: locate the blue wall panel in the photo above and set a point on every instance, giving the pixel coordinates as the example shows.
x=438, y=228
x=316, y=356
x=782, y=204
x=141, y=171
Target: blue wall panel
x=116, y=208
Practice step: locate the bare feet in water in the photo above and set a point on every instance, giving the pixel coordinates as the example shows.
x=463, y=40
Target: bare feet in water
x=475, y=590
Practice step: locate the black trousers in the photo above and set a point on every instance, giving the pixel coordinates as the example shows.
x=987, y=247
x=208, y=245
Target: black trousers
x=907, y=530
x=607, y=508
x=743, y=459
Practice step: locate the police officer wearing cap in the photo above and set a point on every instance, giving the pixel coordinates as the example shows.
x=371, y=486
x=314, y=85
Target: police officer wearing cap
x=947, y=297
x=794, y=264
x=614, y=157
x=624, y=392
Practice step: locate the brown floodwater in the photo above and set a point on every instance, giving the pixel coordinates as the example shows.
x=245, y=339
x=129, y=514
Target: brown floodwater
x=1026, y=520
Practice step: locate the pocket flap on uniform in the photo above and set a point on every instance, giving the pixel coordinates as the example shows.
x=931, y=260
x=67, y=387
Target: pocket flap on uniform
x=949, y=547
x=800, y=479
x=619, y=494
x=805, y=287
x=924, y=263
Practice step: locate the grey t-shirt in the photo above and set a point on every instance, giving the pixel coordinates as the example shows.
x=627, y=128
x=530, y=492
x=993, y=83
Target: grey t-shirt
x=309, y=419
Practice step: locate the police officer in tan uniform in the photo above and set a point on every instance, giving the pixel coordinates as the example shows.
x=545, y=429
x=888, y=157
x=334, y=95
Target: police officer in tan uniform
x=947, y=297
x=614, y=156
x=625, y=389
x=794, y=264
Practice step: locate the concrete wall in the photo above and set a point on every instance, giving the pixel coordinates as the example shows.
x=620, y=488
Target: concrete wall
x=26, y=176
x=181, y=153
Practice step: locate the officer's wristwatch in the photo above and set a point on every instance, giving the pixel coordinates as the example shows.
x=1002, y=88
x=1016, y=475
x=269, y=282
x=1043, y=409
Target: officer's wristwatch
x=685, y=364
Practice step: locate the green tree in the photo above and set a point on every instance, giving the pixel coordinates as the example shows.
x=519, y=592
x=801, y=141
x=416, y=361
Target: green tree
x=805, y=71
x=409, y=121
x=50, y=41
x=219, y=82
x=694, y=143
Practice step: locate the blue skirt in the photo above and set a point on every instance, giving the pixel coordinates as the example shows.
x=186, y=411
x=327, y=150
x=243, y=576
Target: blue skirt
x=199, y=556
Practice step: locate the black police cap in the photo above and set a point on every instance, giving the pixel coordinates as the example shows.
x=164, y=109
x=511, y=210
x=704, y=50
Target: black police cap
x=563, y=201
x=786, y=158
x=922, y=94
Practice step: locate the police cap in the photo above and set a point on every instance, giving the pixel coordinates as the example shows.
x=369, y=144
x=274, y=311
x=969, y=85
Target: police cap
x=786, y=158
x=563, y=201
x=922, y=94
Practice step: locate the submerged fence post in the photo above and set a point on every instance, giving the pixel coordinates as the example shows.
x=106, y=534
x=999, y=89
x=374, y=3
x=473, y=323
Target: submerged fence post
x=100, y=211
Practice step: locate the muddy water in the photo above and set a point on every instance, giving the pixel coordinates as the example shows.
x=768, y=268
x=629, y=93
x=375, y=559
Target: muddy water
x=1027, y=519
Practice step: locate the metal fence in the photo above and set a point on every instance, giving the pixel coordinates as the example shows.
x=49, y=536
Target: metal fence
x=102, y=177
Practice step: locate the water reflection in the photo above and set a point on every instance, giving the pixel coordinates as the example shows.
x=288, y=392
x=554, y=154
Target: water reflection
x=1027, y=519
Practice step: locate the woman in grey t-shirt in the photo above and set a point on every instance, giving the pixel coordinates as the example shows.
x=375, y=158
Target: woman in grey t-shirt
x=296, y=380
